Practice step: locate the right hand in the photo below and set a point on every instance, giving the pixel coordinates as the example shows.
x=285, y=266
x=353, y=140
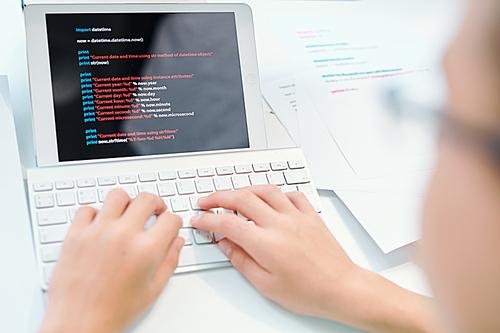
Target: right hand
x=289, y=255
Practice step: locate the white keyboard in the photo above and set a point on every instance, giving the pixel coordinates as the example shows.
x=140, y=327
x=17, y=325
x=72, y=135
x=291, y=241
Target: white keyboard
x=56, y=193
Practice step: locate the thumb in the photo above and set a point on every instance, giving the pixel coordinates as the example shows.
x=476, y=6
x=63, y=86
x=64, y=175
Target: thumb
x=243, y=262
x=169, y=263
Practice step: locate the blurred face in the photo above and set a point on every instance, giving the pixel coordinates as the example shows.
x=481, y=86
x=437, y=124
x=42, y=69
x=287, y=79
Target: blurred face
x=461, y=226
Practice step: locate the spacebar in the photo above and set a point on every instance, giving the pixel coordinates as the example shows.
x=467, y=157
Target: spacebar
x=201, y=254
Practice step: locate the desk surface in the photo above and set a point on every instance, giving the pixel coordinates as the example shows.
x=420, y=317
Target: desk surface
x=216, y=300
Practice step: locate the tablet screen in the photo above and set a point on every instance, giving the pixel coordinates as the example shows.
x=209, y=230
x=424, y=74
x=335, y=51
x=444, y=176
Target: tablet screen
x=140, y=84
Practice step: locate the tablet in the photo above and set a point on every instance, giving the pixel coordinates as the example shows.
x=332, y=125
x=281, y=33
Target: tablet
x=131, y=81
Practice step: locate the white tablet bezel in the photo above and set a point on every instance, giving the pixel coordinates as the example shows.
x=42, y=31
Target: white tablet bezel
x=42, y=106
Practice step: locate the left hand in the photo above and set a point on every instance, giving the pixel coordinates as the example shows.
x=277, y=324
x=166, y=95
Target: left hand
x=110, y=268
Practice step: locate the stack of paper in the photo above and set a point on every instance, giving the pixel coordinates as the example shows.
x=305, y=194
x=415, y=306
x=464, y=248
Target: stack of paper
x=334, y=100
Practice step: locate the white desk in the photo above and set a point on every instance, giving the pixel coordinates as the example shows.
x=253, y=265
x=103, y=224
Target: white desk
x=218, y=300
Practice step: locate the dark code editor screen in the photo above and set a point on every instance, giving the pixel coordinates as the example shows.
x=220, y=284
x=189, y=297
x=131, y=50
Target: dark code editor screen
x=145, y=84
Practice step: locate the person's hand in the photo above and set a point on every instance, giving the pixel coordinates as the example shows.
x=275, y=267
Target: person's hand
x=111, y=269
x=291, y=257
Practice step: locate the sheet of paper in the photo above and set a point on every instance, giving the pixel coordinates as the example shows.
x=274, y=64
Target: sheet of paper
x=278, y=89
x=391, y=220
x=350, y=65
x=387, y=207
x=330, y=170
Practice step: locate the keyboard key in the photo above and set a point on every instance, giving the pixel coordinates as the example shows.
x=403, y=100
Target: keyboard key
x=72, y=211
x=106, y=181
x=167, y=175
x=166, y=189
x=186, y=219
x=42, y=186
x=309, y=192
x=185, y=187
x=48, y=270
x=150, y=188
x=261, y=167
x=218, y=237
x=278, y=166
x=258, y=179
x=288, y=188
x=179, y=204
x=130, y=190
x=65, y=199
x=53, y=234
x=51, y=252
x=224, y=170
x=240, y=181
x=244, y=168
x=85, y=182
x=222, y=184
x=53, y=216
x=294, y=177
x=147, y=177
x=65, y=184
x=202, y=236
x=103, y=193
x=127, y=179
x=167, y=202
x=206, y=172
x=225, y=211
x=45, y=200
x=186, y=234
x=189, y=173
x=194, y=202
x=86, y=196
x=297, y=164
x=276, y=178
x=203, y=212
x=204, y=185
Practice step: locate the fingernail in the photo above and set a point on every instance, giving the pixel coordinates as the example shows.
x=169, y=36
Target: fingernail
x=180, y=244
x=201, y=199
x=225, y=247
x=194, y=219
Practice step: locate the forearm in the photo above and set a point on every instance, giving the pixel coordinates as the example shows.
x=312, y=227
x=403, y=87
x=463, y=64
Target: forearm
x=70, y=322
x=378, y=305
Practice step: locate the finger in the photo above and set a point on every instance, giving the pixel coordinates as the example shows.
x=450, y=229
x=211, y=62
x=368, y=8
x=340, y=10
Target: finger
x=243, y=262
x=168, y=264
x=272, y=195
x=243, y=201
x=299, y=200
x=142, y=207
x=245, y=234
x=83, y=218
x=115, y=204
x=164, y=229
